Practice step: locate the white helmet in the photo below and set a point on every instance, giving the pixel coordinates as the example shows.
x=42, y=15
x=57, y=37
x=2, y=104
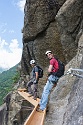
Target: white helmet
x=48, y=52
x=32, y=61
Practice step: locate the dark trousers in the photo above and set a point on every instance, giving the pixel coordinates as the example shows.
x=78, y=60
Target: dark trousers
x=34, y=90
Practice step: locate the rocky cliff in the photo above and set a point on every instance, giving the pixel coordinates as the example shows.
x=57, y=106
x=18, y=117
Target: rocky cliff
x=56, y=25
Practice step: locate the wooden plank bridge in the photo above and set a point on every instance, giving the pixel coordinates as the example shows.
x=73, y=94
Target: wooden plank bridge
x=35, y=117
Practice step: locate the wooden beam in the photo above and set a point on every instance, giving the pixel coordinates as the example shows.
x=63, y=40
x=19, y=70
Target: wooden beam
x=35, y=118
x=29, y=119
x=30, y=99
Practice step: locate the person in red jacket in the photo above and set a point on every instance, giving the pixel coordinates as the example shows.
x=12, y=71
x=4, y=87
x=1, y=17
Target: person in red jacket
x=51, y=81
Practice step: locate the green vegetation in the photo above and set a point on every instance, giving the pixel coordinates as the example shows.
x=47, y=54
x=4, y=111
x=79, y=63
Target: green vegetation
x=2, y=69
x=7, y=80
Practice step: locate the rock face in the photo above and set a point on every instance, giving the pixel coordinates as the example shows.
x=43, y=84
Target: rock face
x=74, y=112
x=66, y=102
x=40, y=32
x=38, y=15
x=2, y=114
x=69, y=18
x=50, y=24
x=55, y=25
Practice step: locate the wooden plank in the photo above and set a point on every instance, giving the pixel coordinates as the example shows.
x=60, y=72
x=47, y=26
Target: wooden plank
x=29, y=119
x=30, y=99
x=36, y=118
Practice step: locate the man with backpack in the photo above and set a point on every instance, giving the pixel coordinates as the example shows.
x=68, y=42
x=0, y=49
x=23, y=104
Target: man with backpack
x=51, y=81
x=33, y=80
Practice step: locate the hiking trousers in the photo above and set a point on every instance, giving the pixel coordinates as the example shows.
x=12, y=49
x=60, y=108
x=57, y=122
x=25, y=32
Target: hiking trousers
x=47, y=89
x=34, y=90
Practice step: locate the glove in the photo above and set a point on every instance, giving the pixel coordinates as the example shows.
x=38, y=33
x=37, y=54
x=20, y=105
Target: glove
x=35, y=81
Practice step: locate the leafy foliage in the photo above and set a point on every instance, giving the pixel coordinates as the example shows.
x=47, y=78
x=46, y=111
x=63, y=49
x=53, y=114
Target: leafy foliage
x=7, y=80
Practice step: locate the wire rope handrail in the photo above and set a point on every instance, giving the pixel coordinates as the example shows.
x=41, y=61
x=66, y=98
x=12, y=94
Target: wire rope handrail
x=75, y=72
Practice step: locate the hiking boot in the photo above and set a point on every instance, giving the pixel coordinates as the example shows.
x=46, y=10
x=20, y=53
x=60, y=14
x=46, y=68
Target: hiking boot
x=39, y=110
x=35, y=96
x=47, y=110
x=31, y=94
x=38, y=106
